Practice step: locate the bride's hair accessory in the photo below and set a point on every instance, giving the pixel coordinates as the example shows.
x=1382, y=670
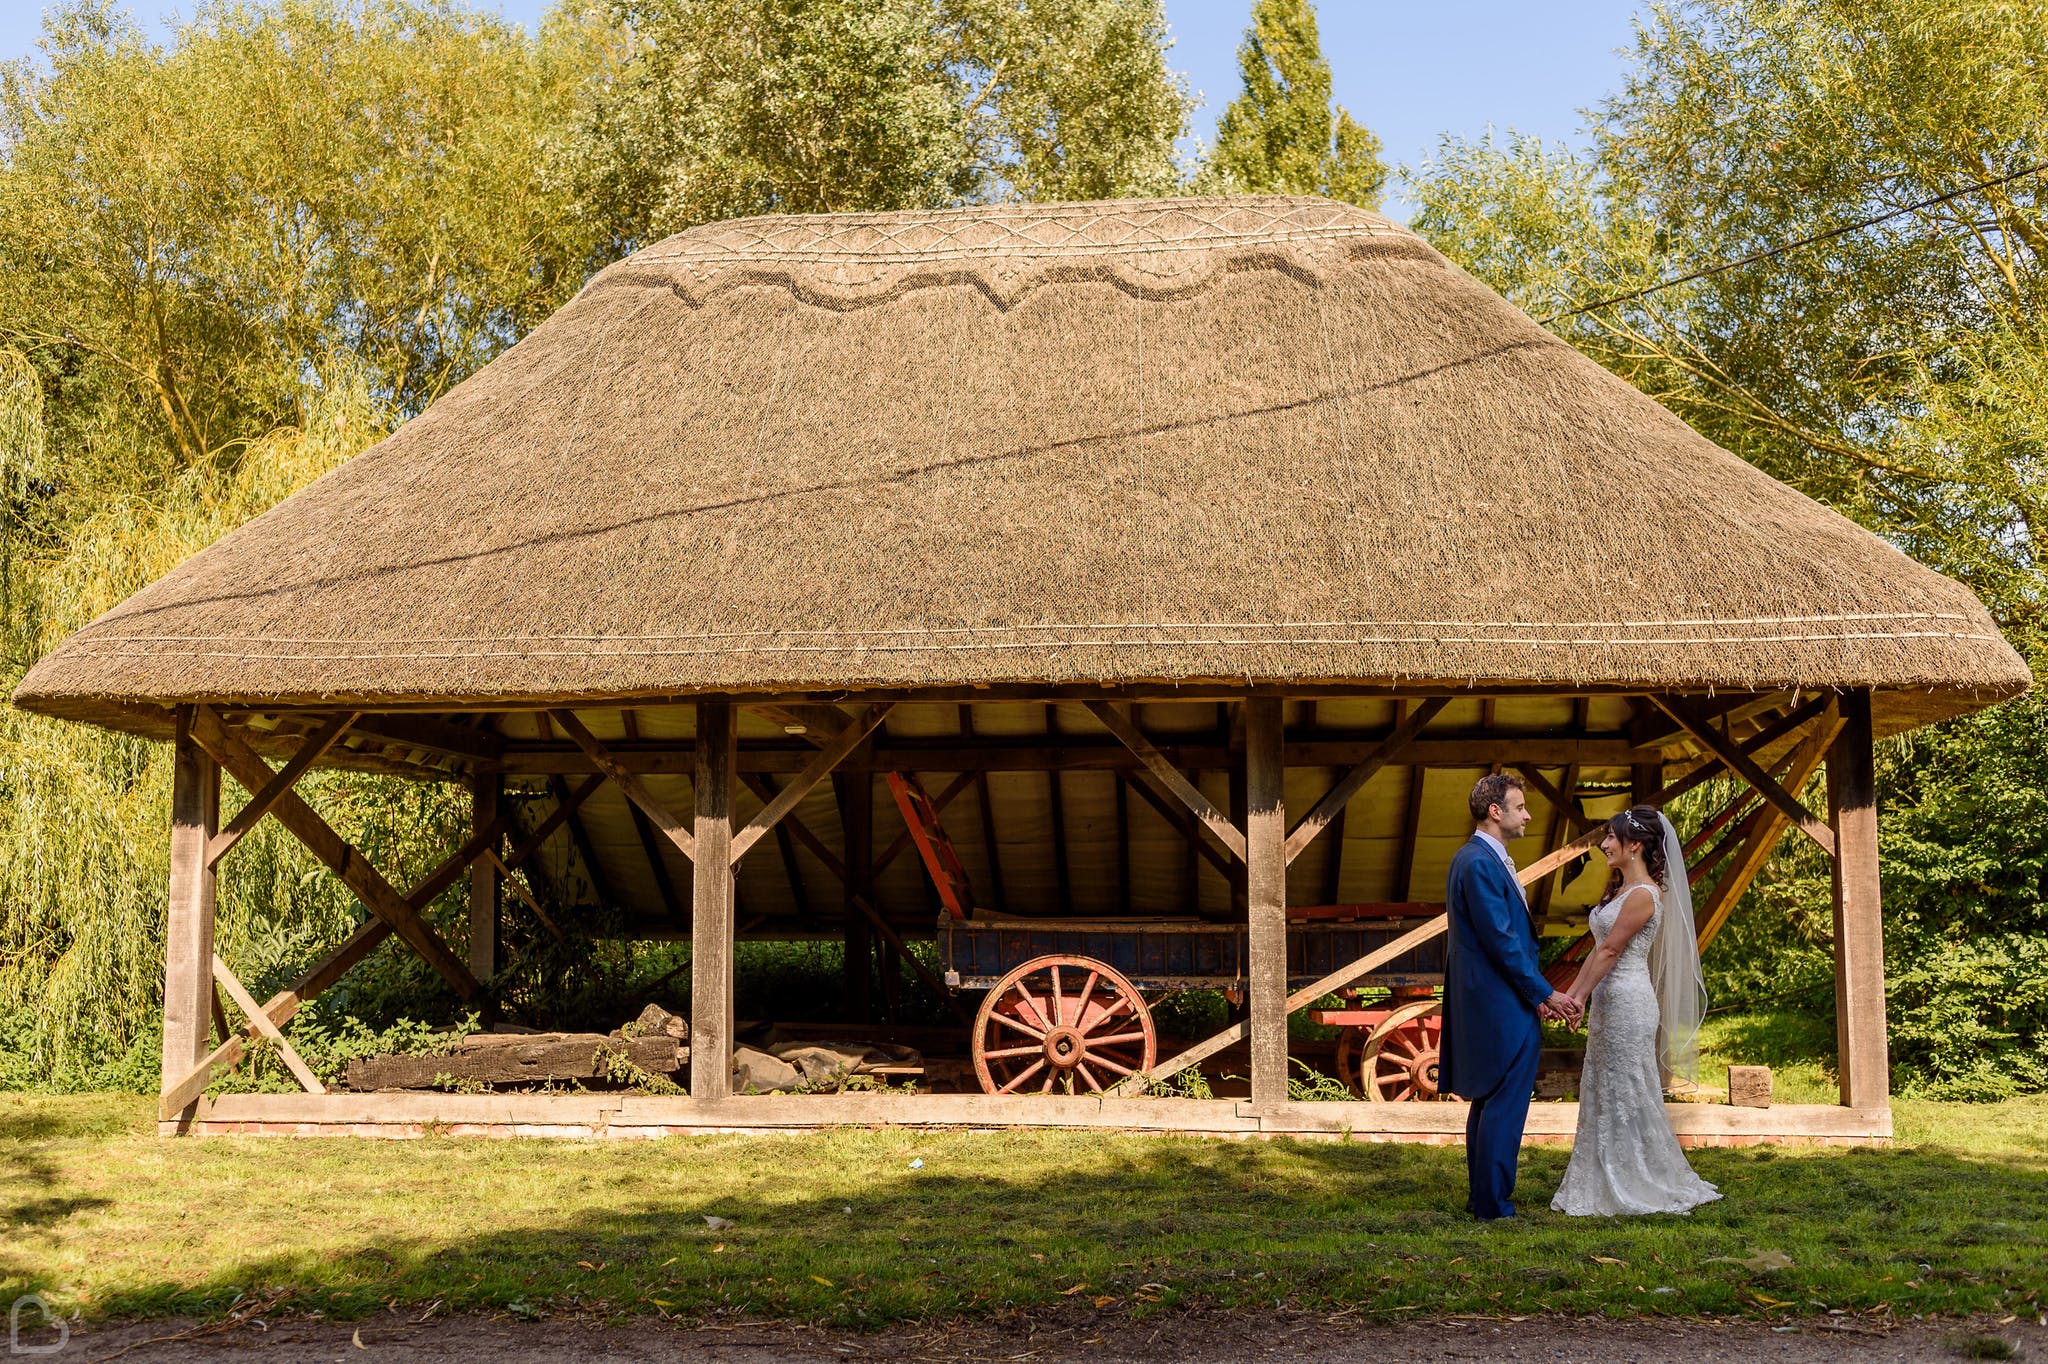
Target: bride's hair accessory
x=1641, y=825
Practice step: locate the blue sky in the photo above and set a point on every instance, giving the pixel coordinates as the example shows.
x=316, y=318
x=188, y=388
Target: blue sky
x=1410, y=72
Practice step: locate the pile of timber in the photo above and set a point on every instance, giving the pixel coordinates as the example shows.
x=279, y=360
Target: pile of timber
x=655, y=1043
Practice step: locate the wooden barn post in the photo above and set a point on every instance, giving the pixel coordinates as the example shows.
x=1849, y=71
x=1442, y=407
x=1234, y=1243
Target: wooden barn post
x=711, y=902
x=1859, y=928
x=486, y=802
x=1265, y=835
x=188, y=923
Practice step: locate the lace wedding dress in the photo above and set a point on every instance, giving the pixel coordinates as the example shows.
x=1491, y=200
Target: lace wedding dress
x=1625, y=1158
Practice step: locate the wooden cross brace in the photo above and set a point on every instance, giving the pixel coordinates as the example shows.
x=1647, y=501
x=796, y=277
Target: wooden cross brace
x=1754, y=851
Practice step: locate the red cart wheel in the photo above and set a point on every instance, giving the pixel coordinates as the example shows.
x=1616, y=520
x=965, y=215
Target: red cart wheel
x=1399, y=1062
x=1065, y=1024
x=1350, y=1042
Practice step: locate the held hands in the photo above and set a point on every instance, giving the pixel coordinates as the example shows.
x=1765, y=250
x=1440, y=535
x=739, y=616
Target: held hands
x=1562, y=1008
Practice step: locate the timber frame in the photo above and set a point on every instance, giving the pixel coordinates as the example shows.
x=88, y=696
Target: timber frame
x=1754, y=754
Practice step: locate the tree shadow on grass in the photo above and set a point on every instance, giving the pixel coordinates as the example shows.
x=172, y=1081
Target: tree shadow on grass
x=32, y=1192
x=837, y=1227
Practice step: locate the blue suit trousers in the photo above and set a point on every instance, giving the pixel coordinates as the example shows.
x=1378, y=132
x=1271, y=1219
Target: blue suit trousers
x=1493, y=1133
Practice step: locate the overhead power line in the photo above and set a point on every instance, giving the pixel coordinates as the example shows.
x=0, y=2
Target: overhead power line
x=1771, y=251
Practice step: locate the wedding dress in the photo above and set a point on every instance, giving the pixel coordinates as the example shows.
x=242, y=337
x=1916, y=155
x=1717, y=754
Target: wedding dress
x=1625, y=1158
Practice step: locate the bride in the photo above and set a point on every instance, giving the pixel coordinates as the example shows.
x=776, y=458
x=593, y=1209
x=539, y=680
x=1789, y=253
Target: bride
x=1646, y=998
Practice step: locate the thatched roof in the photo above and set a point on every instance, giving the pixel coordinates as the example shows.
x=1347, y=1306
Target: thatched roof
x=1274, y=440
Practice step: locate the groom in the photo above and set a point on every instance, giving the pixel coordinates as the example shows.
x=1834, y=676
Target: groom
x=1493, y=994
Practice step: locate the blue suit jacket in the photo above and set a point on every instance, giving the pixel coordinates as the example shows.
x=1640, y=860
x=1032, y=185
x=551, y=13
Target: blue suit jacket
x=1491, y=984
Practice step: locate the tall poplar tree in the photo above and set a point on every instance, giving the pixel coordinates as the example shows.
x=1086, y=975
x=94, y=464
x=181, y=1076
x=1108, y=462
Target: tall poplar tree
x=1283, y=135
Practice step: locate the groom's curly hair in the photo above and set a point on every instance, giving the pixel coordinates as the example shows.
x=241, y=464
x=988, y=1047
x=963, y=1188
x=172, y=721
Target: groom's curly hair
x=1639, y=824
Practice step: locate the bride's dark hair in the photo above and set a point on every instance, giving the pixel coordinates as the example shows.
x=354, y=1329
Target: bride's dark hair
x=1639, y=824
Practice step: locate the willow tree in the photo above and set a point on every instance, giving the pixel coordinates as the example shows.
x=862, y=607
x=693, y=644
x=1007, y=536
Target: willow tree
x=227, y=262
x=1283, y=134
x=721, y=108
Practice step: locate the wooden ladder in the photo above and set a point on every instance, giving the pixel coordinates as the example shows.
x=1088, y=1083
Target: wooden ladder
x=921, y=816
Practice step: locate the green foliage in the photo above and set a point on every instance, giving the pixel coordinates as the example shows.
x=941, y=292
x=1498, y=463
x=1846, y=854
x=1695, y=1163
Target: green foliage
x=722, y=108
x=1898, y=372
x=1283, y=135
x=221, y=275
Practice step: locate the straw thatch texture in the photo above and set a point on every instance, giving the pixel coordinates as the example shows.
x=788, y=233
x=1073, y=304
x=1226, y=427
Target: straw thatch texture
x=1268, y=440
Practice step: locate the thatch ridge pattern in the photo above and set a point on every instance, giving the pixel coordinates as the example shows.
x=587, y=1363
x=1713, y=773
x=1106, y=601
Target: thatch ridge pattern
x=1155, y=249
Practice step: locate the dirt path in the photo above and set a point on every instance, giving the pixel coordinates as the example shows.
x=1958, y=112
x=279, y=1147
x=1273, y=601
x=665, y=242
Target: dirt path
x=1202, y=1338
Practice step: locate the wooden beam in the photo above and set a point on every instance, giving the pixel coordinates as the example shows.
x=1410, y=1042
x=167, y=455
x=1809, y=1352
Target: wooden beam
x=1561, y=802
x=711, y=903
x=1730, y=753
x=567, y=801
x=280, y=1009
x=1177, y=815
x=1411, y=831
x=253, y=1011
x=1122, y=795
x=1756, y=850
x=986, y=800
x=1550, y=862
x=519, y=888
x=1155, y=762
x=856, y=802
x=1865, y=1068
x=188, y=920
x=1352, y=782
x=429, y=734
x=859, y=902
x=1265, y=832
x=814, y=772
x=1082, y=753
x=627, y=781
x=1339, y=979
x=323, y=842
x=486, y=812
x=313, y=749
x=456, y=863
x=817, y=725
x=1559, y=810
x=793, y=872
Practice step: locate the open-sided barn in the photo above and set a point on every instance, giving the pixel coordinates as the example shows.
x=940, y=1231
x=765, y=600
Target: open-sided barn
x=1187, y=558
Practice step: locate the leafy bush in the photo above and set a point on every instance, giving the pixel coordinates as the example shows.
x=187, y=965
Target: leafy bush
x=1963, y=833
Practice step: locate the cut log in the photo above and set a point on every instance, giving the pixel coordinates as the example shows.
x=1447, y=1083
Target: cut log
x=498, y=1059
x=1749, y=1086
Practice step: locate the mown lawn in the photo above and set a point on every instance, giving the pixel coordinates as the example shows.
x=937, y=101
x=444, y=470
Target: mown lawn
x=839, y=1227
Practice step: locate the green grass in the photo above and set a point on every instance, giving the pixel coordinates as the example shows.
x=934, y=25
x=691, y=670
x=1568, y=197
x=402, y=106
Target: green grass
x=836, y=1226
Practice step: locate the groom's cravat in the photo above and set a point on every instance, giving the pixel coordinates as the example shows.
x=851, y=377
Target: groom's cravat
x=1500, y=850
